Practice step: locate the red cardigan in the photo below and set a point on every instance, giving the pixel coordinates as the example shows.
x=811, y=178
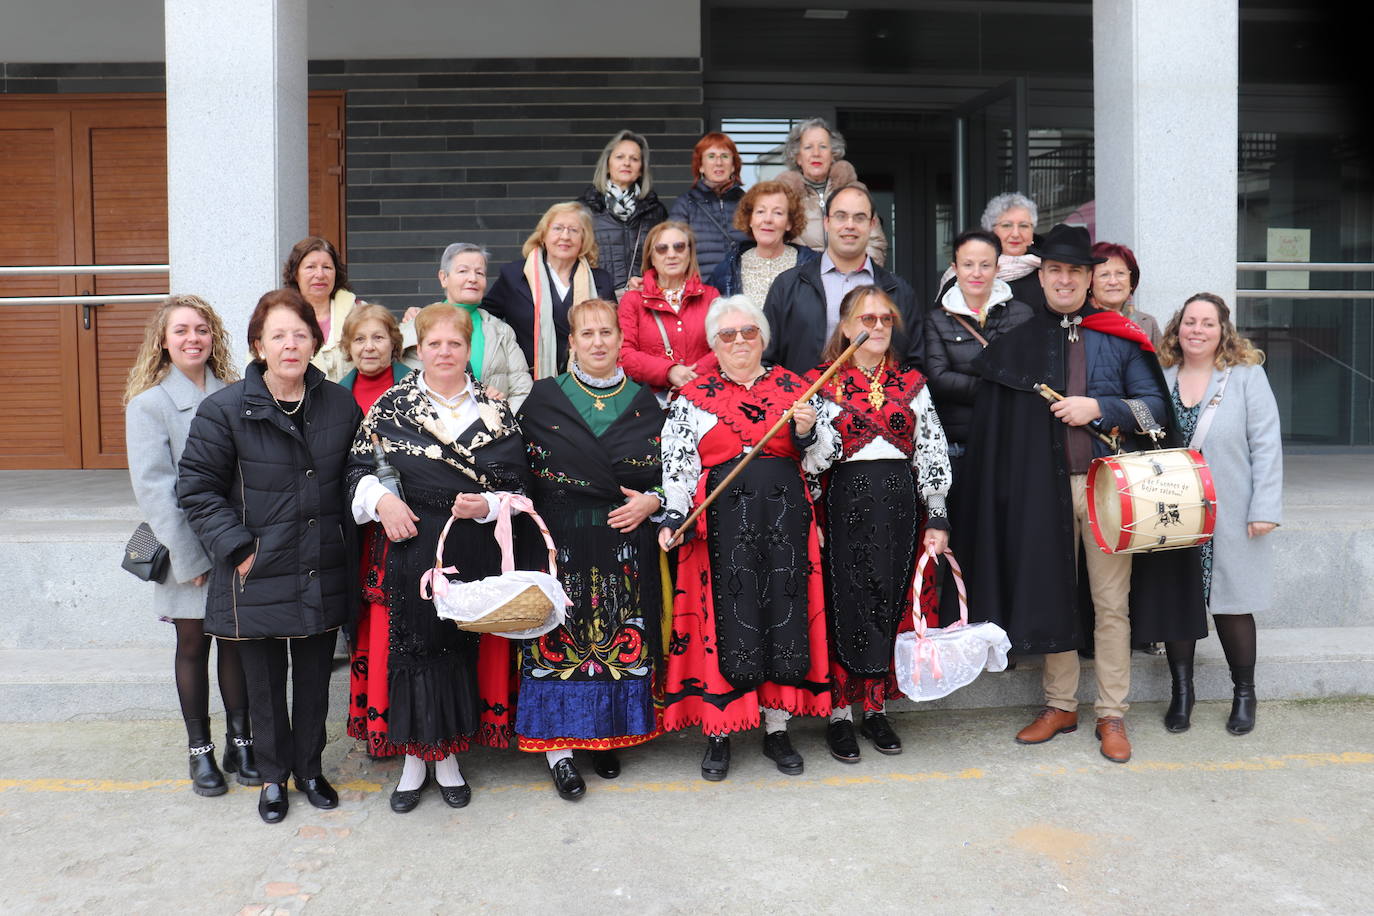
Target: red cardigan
x=642, y=353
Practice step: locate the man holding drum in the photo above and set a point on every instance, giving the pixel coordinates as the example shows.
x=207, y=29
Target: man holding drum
x=1028, y=502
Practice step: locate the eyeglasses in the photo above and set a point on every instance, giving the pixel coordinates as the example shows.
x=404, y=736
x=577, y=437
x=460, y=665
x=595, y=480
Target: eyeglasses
x=560, y=229
x=872, y=321
x=840, y=217
x=727, y=335
x=662, y=247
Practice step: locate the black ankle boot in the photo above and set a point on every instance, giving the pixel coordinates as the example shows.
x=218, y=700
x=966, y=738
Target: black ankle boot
x=206, y=779
x=238, y=748
x=1243, y=701
x=1178, y=717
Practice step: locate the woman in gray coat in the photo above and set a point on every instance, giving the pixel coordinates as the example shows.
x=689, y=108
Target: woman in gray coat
x=184, y=357
x=1227, y=411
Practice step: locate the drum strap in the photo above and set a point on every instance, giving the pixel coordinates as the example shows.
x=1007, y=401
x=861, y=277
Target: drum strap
x=1148, y=425
x=1204, y=421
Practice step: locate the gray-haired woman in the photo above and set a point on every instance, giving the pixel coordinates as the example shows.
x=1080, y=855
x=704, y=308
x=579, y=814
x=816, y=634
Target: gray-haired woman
x=814, y=153
x=496, y=359
x=624, y=205
x=748, y=637
x=1012, y=218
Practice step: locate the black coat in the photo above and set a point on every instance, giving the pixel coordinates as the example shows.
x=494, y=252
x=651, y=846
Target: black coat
x=620, y=245
x=251, y=483
x=950, y=351
x=796, y=312
x=510, y=299
x=712, y=218
x=1015, y=537
x=1027, y=289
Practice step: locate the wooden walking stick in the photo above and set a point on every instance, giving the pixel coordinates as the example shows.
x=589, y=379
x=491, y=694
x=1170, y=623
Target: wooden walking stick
x=782, y=421
x=1111, y=439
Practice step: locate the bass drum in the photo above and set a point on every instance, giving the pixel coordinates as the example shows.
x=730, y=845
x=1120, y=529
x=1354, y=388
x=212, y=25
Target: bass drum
x=1157, y=500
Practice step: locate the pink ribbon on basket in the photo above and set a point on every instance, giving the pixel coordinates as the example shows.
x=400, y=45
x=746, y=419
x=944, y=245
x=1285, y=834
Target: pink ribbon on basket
x=434, y=581
x=926, y=649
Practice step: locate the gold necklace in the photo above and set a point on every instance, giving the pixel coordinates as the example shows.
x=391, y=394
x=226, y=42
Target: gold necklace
x=876, y=395
x=598, y=398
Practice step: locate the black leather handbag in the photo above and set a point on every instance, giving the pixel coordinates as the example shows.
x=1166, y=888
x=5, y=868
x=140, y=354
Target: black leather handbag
x=145, y=556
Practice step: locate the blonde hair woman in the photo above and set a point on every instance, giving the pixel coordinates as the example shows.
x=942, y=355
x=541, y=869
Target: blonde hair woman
x=184, y=357
x=556, y=269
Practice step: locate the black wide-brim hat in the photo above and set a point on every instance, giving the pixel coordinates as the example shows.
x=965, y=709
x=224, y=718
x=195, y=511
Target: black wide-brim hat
x=1067, y=245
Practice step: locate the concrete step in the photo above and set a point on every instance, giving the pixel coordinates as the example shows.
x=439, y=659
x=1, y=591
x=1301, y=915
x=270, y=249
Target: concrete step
x=58, y=685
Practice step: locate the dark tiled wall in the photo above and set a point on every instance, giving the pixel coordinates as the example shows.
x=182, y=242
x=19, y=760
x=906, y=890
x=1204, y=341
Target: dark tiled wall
x=440, y=151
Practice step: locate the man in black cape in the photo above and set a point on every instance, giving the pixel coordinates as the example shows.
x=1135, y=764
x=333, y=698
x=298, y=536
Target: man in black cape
x=1025, y=502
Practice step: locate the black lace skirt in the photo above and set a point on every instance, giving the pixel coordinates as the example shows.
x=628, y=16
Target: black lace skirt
x=870, y=556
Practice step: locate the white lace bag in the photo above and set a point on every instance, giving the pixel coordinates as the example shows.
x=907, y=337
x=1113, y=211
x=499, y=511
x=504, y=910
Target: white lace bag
x=518, y=603
x=934, y=663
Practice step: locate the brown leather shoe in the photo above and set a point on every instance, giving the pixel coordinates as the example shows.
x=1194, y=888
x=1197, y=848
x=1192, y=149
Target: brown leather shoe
x=1111, y=731
x=1048, y=723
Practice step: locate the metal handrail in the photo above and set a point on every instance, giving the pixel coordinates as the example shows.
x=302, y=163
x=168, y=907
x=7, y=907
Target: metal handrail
x=1305, y=266
x=1317, y=266
x=68, y=269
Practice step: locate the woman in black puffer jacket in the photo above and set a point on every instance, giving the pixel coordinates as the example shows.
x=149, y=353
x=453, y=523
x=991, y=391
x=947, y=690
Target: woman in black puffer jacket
x=708, y=206
x=262, y=484
x=623, y=205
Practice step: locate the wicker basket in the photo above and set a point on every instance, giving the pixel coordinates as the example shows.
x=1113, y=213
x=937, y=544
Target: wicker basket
x=517, y=604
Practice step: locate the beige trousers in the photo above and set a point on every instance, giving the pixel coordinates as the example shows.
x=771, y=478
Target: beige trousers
x=1109, y=579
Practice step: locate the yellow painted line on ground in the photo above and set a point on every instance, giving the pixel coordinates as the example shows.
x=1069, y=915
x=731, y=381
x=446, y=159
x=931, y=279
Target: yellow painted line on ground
x=368, y=787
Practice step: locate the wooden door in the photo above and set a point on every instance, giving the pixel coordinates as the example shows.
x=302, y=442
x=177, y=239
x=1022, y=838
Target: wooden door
x=119, y=168
x=84, y=181
x=39, y=405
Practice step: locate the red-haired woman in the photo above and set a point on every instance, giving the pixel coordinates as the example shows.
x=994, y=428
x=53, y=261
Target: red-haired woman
x=1114, y=282
x=708, y=206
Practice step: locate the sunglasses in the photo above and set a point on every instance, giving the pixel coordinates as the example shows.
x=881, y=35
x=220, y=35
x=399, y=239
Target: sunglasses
x=662, y=247
x=728, y=334
x=872, y=321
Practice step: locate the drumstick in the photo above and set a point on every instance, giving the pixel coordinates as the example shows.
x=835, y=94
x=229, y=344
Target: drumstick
x=782, y=421
x=1095, y=427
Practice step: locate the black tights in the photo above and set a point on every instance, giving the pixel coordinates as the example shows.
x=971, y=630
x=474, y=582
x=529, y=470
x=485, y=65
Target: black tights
x=193, y=672
x=1237, y=635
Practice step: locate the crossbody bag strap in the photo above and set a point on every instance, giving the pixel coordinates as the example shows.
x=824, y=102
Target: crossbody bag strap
x=667, y=347
x=968, y=327
x=1209, y=413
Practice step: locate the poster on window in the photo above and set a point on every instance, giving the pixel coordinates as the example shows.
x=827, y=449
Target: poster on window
x=1289, y=245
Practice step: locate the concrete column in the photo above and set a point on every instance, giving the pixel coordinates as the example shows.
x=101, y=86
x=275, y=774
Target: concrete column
x=1165, y=76
x=237, y=183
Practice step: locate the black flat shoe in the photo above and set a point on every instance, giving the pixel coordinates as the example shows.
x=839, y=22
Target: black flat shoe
x=877, y=729
x=777, y=747
x=839, y=737
x=318, y=791
x=403, y=801
x=715, y=765
x=456, y=796
x=272, y=803
x=206, y=779
x=567, y=780
x=606, y=764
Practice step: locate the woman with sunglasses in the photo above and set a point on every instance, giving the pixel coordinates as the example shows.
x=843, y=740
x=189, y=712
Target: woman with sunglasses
x=748, y=614
x=894, y=469
x=664, y=322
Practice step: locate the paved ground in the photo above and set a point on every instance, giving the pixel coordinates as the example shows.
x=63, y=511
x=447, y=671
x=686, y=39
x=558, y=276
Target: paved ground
x=95, y=819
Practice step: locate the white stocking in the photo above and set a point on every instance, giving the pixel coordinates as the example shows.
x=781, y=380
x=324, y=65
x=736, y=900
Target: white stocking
x=412, y=775
x=841, y=714
x=775, y=720
x=555, y=756
x=877, y=712
x=446, y=772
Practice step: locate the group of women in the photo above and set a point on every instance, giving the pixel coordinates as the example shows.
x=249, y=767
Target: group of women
x=613, y=420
